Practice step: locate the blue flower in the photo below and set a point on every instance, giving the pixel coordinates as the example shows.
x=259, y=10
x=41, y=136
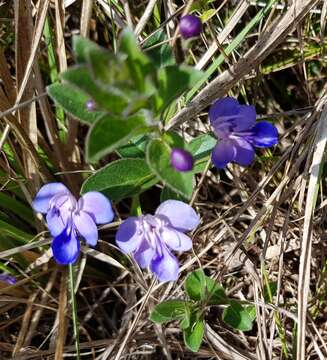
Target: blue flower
x=238, y=133
x=9, y=279
x=150, y=238
x=69, y=219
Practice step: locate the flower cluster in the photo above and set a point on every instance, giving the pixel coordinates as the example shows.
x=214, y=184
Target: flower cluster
x=67, y=218
x=149, y=238
x=238, y=133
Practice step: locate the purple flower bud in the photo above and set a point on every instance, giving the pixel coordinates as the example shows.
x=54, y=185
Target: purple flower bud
x=190, y=26
x=90, y=105
x=181, y=160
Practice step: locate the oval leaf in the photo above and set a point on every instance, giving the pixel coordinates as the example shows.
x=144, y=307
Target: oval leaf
x=193, y=336
x=238, y=317
x=168, y=311
x=200, y=287
x=111, y=132
x=73, y=102
x=120, y=179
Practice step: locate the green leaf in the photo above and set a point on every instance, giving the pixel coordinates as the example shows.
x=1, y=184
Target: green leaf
x=269, y=291
x=193, y=335
x=111, y=132
x=238, y=317
x=169, y=310
x=15, y=233
x=109, y=69
x=158, y=158
x=8, y=202
x=111, y=98
x=139, y=64
x=73, y=102
x=160, y=55
x=81, y=47
x=167, y=193
x=207, y=15
x=135, y=148
x=202, y=146
x=200, y=287
x=120, y=179
x=173, y=81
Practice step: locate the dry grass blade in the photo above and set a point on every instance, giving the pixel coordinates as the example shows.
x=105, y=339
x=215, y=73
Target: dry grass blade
x=145, y=17
x=267, y=42
x=62, y=326
x=235, y=18
x=27, y=115
x=306, y=246
x=29, y=65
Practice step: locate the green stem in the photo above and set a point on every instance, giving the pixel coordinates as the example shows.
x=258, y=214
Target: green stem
x=74, y=311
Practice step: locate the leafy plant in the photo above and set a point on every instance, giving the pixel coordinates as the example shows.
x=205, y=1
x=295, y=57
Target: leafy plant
x=202, y=292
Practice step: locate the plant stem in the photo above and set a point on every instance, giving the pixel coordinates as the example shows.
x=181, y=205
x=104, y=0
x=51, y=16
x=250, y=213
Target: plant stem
x=74, y=311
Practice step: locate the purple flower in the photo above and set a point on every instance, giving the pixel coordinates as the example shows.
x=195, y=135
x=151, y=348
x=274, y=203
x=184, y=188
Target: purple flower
x=238, y=133
x=181, y=160
x=9, y=279
x=150, y=238
x=190, y=26
x=67, y=218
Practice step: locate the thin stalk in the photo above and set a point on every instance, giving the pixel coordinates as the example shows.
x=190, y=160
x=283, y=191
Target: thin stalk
x=74, y=311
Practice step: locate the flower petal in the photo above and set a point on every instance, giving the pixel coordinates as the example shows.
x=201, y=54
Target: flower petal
x=144, y=254
x=181, y=216
x=166, y=267
x=98, y=206
x=223, y=153
x=264, y=134
x=65, y=247
x=244, y=152
x=245, y=119
x=222, y=108
x=57, y=221
x=45, y=194
x=86, y=227
x=129, y=234
x=176, y=240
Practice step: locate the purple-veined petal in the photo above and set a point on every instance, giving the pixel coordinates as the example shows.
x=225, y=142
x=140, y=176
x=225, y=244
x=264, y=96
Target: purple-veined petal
x=57, y=221
x=129, y=235
x=223, y=153
x=98, y=206
x=244, y=152
x=45, y=194
x=166, y=266
x=181, y=216
x=245, y=119
x=264, y=135
x=144, y=254
x=176, y=240
x=86, y=227
x=222, y=108
x=65, y=247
